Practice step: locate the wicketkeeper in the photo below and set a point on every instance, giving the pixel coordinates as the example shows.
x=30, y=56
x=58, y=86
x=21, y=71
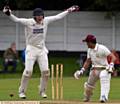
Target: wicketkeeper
x=35, y=34
x=97, y=56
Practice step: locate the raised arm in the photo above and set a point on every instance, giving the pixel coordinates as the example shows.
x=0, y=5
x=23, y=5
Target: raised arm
x=63, y=14
x=7, y=11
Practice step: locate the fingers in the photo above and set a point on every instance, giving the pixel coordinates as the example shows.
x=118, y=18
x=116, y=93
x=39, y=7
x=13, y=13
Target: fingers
x=77, y=8
x=73, y=8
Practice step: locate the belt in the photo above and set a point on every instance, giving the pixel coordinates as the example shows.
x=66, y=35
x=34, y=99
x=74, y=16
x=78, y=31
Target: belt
x=98, y=68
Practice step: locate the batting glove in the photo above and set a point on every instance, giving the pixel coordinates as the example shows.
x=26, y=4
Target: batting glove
x=110, y=68
x=7, y=10
x=78, y=73
x=73, y=8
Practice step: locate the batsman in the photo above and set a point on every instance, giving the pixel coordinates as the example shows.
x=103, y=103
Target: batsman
x=35, y=35
x=97, y=56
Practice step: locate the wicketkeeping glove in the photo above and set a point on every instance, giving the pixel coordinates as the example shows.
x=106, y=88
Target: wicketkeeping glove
x=7, y=10
x=78, y=73
x=110, y=68
x=73, y=8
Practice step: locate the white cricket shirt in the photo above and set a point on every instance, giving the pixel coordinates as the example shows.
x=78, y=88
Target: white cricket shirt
x=35, y=34
x=98, y=55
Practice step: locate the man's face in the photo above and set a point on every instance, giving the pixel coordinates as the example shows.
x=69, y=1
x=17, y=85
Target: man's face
x=89, y=44
x=38, y=19
x=13, y=46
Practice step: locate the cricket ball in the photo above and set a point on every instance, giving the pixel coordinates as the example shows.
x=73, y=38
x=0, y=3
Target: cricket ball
x=11, y=95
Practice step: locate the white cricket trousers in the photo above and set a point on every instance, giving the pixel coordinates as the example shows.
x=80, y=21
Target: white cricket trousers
x=35, y=54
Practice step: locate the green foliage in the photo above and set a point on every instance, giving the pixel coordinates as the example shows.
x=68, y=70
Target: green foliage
x=89, y=5
x=104, y=5
x=25, y=4
x=69, y=64
x=11, y=3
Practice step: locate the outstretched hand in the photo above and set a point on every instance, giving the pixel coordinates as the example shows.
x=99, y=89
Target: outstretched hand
x=7, y=10
x=74, y=8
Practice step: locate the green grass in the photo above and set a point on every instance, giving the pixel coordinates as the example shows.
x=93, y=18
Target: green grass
x=73, y=89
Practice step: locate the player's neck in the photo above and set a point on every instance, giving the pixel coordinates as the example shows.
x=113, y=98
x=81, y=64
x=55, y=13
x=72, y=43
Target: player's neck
x=38, y=21
x=92, y=46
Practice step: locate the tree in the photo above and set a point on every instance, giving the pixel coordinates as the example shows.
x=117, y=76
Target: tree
x=104, y=5
x=85, y=5
x=12, y=3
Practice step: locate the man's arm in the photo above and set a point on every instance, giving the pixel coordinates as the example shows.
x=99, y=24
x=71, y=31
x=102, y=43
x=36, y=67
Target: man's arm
x=78, y=73
x=111, y=65
x=107, y=52
x=63, y=14
x=113, y=58
x=7, y=11
x=20, y=20
x=87, y=63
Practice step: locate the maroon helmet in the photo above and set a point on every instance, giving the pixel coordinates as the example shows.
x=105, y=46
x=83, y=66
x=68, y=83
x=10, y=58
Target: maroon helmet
x=90, y=38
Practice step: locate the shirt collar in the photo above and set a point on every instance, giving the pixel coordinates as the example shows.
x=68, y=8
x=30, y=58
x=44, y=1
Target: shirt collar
x=96, y=47
x=37, y=23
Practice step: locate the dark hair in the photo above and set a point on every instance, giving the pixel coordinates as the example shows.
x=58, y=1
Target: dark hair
x=38, y=12
x=93, y=41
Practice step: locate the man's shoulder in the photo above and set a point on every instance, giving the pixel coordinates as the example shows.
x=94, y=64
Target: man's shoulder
x=30, y=19
x=46, y=18
x=27, y=19
x=101, y=46
x=8, y=49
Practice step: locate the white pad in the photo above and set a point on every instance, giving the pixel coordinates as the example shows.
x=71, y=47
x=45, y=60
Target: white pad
x=44, y=81
x=27, y=73
x=24, y=84
x=105, y=83
x=88, y=90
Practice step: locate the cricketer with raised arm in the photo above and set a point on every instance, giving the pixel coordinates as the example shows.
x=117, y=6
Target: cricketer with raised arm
x=35, y=35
